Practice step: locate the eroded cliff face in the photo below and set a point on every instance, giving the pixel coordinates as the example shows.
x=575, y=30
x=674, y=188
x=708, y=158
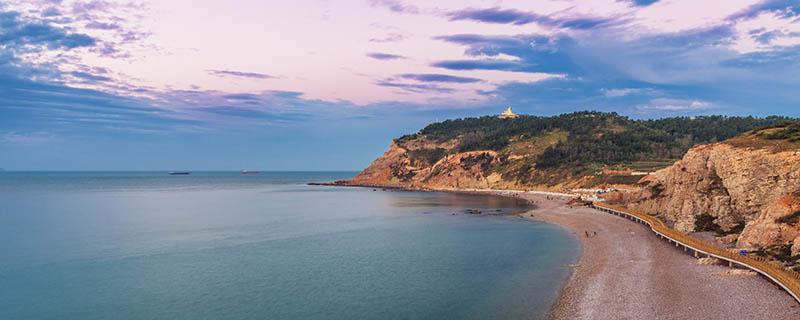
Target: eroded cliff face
x=381, y=171
x=422, y=162
x=775, y=225
x=734, y=183
x=460, y=170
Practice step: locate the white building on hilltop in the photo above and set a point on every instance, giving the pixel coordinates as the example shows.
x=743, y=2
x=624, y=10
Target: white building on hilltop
x=508, y=114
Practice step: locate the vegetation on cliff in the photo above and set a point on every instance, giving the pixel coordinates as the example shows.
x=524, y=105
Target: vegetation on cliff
x=538, y=150
x=786, y=130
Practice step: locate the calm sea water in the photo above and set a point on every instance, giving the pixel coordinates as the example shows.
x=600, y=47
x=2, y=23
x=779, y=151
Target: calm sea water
x=266, y=246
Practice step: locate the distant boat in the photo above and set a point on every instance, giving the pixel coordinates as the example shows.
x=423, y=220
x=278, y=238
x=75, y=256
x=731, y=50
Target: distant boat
x=178, y=173
x=246, y=172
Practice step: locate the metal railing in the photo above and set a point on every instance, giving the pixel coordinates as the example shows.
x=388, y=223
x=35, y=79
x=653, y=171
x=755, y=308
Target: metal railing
x=786, y=278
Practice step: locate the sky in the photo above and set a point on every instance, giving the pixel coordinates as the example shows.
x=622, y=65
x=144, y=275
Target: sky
x=326, y=85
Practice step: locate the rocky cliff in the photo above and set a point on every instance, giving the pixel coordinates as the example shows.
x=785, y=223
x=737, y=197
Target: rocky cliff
x=775, y=225
x=576, y=150
x=750, y=182
x=460, y=170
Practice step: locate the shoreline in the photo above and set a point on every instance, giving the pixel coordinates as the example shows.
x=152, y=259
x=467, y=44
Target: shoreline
x=648, y=278
x=626, y=272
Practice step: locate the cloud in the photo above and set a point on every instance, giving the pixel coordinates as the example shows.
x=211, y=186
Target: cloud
x=235, y=111
x=772, y=62
x=613, y=93
x=88, y=76
x=395, y=6
x=17, y=33
x=478, y=65
x=47, y=25
x=254, y=75
x=558, y=95
x=28, y=137
x=101, y=25
x=782, y=8
x=29, y=106
x=669, y=104
x=33, y=106
x=767, y=37
x=586, y=23
x=132, y=35
x=242, y=96
x=433, y=77
x=107, y=49
x=640, y=3
x=255, y=112
x=476, y=40
x=88, y=7
x=51, y=12
x=517, y=17
x=661, y=58
x=718, y=35
x=536, y=53
x=240, y=111
x=415, y=87
x=495, y=15
x=384, y=56
x=392, y=37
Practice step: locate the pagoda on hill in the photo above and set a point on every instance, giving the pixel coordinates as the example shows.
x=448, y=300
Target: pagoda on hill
x=508, y=114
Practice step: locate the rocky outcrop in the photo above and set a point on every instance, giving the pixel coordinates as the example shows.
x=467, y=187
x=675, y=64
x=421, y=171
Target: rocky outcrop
x=735, y=184
x=382, y=171
x=463, y=170
x=775, y=225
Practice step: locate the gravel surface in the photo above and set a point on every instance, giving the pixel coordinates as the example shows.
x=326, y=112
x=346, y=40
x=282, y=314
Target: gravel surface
x=627, y=272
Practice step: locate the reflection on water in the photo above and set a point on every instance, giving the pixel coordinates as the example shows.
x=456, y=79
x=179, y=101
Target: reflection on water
x=463, y=201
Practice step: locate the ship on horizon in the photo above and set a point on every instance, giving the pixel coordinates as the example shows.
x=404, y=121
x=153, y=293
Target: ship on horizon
x=173, y=173
x=244, y=171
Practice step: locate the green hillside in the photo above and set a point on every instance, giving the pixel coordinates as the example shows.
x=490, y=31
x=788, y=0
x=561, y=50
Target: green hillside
x=545, y=150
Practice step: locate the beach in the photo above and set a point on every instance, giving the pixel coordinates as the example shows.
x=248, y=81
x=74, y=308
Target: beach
x=627, y=272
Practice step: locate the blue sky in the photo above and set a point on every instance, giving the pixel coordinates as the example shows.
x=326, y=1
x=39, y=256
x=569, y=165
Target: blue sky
x=323, y=85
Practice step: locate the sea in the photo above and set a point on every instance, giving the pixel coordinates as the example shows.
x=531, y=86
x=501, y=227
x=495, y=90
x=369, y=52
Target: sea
x=226, y=245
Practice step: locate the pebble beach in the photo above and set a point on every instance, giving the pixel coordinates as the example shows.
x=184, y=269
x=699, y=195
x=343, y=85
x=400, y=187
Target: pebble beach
x=627, y=272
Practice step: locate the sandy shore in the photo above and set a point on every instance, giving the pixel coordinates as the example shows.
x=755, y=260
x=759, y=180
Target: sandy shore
x=627, y=272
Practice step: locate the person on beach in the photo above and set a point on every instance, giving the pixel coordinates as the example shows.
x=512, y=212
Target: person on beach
x=587, y=233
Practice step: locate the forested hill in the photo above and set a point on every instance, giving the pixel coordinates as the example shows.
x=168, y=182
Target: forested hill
x=534, y=150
